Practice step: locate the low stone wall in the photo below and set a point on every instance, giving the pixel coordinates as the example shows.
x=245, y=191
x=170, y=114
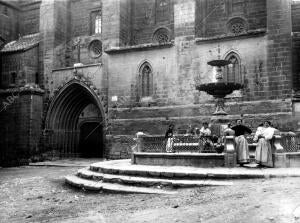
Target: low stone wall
x=119, y=146
x=284, y=160
x=179, y=159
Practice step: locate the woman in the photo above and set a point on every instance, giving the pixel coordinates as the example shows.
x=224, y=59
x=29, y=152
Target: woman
x=263, y=153
x=205, y=131
x=241, y=143
x=228, y=131
x=206, y=143
x=169, y=137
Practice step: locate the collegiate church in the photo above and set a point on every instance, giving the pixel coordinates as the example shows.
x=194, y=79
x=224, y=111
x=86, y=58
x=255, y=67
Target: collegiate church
x=81, y=77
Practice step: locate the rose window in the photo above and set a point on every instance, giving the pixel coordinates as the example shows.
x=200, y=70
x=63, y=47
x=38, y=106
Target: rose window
x=237, y=26
x=161, y=36
x=95, y=49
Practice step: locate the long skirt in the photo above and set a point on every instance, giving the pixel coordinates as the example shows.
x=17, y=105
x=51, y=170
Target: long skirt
x=169, y=145
x=242, y=150
x=263, y=153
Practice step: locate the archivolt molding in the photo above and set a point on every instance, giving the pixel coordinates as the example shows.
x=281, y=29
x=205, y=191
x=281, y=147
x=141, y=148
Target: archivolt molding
x=77, y=92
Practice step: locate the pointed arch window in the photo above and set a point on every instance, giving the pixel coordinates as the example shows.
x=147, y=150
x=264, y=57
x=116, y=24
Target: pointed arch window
x=233, y=70
x=96, y=22
x=162, y=10
x=145, y=80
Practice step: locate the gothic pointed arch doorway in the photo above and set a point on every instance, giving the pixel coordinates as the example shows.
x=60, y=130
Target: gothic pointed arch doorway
x=70, y=130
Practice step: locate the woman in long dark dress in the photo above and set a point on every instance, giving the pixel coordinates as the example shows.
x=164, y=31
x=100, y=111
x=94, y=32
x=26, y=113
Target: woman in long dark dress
x=241, y=142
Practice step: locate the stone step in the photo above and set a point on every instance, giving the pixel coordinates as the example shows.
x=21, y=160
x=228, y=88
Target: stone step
x=148, y=182
x=123, y=167
x=111, y=187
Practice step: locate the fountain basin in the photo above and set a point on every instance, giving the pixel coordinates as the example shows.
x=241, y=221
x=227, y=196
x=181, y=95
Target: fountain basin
x=219, y=89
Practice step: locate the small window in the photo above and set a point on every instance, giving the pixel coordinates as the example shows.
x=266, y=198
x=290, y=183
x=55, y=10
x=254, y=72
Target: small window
x=13, y=77
x=96, y=22
x=37, y=79
x=5, y=11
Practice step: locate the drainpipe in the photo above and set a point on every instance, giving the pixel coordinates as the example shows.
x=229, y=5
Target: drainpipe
x=30, y=123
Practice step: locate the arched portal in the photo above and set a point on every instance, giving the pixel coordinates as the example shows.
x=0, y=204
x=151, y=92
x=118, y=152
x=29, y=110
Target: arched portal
x=62, y=121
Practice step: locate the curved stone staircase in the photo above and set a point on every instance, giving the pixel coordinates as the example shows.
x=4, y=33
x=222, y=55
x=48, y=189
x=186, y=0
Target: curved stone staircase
x=120, y=176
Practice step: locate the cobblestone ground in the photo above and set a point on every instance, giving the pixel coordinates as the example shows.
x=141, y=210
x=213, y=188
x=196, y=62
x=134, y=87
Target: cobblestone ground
x=38, y=194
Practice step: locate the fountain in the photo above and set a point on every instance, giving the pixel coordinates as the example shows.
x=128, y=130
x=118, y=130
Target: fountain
x=219, y=89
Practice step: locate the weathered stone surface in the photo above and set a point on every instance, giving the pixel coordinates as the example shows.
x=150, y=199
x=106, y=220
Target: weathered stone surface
x=198, y=31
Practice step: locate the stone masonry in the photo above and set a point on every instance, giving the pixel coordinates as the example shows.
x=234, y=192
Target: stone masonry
x=93, y=53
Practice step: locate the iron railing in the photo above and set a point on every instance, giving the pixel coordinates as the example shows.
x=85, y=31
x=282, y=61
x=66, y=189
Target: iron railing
x=290, y=143
x=183, y=143
x=157, y=144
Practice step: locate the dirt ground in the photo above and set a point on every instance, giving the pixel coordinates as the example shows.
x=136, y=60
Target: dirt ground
x=39, y=194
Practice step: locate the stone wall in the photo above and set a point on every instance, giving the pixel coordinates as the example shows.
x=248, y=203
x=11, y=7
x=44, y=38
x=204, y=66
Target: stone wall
x=81, y=16
x=9, y=24
x=24, y=64
x=30, y=17
x=110, y=23
x=296, y=45
x=93, y=73
x=21, y=119
x=213, y=17
x=265, y=62
x=176, y=70
x=296, y=17
x=278, y=77
x=200, y=30
x=125, y=22
x=155, y=120
x=148, y=17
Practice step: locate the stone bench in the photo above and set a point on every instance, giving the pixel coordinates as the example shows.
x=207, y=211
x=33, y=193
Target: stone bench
x=230, y=150
x=184, y=144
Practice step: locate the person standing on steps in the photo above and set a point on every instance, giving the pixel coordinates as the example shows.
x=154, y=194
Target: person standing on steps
x=241, y=142
x=169, y=137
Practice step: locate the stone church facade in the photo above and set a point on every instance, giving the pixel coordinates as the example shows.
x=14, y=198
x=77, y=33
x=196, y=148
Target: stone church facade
x=81, y=77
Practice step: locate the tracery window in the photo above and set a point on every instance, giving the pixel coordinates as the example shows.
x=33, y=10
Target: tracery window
x=95, y=49
x=161, y=35
x=145, y=80
x=233, y=70
x=237, y=26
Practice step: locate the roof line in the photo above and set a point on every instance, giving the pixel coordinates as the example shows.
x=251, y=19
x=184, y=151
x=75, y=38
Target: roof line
x=20, y=50
x=10, y=5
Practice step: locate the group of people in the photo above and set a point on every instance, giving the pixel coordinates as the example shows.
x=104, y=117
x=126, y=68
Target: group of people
x=203, y=132
x=263, y=136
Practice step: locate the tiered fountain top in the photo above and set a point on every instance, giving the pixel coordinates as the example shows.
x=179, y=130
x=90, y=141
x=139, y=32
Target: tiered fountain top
x=220, y=88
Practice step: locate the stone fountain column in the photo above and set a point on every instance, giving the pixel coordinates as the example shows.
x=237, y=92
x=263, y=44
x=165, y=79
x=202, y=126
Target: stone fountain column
x=221, y=88
x=230, y=156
